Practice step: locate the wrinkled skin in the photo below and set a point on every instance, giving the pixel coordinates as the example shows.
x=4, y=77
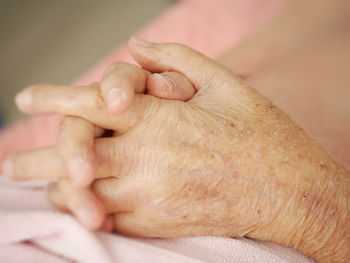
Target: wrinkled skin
x=212, y=171
x=227, y=162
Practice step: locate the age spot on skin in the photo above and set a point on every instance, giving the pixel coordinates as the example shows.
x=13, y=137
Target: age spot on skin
x=324, y=167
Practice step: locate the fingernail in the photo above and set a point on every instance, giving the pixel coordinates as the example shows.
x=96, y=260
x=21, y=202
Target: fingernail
x=80, y=172
x=141, y=42
x=24, y=99
x=114, y=98
x=168, y=81
x=7, y=167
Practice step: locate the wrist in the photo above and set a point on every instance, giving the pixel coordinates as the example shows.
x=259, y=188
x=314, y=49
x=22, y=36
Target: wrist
x=323, y=229
x=314, y=213
x=337, y=249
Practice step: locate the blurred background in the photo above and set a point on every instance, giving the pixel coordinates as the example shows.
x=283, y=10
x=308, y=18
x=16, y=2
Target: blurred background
x=56, y=41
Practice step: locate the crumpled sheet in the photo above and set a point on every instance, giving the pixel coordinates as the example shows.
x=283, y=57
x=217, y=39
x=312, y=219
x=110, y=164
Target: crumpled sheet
x=31, y=230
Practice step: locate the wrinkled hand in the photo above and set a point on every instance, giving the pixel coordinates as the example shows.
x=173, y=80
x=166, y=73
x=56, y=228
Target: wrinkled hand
x=118, y=86
x=227, y=162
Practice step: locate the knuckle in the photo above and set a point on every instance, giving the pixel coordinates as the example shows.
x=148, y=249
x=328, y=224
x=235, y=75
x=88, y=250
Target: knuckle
x=94, y=101
x=120, y=160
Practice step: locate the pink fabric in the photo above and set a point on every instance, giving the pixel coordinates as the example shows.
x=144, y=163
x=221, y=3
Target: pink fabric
x=33, y=231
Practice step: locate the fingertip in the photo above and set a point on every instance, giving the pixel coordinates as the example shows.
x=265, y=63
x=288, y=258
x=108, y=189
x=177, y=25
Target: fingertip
x=120, y=83
x=87, y=209
x=91, y=214
x=88, y=217
x=160, y=87
x=119, y=99
x=24, y=99
x=170, y=85
x=136, y=41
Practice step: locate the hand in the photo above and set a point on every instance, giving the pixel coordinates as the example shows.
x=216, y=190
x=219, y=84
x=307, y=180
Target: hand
x=227, y=162
x=76, y=138
x=75, y=142
x=118, y=87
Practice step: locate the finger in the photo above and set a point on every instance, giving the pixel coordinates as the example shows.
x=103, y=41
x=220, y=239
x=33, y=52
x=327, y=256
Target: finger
x=122, y=80
x=81, y=202
x=117, y=195
x=159, y=57
x=114, y=194
x=120, y=83
x=108, y=224
x=170, y=85
x=35, y=164
x=84, y=102
x=75, y=145
x=47, y=163
x=130, y=225
x=55, y=197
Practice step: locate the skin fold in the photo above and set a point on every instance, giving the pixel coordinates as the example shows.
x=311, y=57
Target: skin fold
x=226, y=162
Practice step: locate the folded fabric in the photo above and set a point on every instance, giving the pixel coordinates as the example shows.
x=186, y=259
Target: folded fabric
x=31, y=230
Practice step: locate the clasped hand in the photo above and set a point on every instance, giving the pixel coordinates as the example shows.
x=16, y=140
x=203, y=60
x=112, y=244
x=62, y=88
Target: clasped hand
x=201, y=153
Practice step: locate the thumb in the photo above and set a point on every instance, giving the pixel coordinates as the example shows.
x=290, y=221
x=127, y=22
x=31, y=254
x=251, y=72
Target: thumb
x=199, y=69
x=122, y=80
x=170, y=85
